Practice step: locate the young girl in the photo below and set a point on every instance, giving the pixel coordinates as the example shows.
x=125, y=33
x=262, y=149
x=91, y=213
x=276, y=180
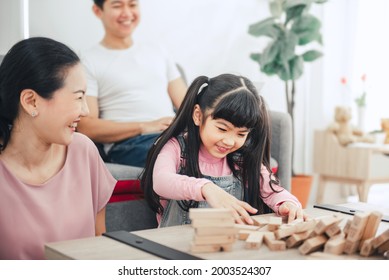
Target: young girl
x=216, y=153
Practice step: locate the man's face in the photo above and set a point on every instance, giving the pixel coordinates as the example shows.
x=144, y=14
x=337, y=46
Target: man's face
x=119, y=17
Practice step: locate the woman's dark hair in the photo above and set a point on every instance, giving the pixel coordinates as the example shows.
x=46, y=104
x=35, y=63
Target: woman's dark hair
x=39, y=64
x=229, y=97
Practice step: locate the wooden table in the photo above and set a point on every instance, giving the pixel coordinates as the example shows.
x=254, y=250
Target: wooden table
x=179, y=237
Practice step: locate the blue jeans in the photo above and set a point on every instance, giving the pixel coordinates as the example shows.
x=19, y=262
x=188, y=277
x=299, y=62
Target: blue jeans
x=132, y=151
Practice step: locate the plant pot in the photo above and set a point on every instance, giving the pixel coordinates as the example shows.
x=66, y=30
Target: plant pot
x=301, y=188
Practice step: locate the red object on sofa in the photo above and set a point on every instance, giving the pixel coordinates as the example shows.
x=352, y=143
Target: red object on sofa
x=126, y=190
x=130, y=190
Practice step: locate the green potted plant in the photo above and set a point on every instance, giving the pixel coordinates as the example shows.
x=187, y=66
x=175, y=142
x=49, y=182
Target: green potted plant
x=291, y=28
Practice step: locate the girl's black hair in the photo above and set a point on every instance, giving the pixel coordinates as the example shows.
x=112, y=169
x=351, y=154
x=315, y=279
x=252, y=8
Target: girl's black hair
x=235, y=99
x=39, y=64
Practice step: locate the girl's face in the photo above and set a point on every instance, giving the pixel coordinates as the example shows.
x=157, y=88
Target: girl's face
x=58, y=117
x=119, y=17
x=218, y=136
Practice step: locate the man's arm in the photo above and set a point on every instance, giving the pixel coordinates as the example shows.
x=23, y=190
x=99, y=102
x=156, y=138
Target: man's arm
x=105, y=131
x=177, y=90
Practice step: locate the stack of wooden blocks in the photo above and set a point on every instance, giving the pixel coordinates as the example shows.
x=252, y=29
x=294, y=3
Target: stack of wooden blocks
x=323, y=233
x=214, y=229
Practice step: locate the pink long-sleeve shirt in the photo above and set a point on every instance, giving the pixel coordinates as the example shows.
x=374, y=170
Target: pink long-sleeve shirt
x=170, y=185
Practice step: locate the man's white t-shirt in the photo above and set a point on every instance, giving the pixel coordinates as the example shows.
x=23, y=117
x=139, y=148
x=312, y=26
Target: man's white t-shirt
x=132, y=84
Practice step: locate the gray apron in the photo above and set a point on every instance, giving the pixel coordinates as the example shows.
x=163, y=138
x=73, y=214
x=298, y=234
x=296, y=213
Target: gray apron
x=174, y=215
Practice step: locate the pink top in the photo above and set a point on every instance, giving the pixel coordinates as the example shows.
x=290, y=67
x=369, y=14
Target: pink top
x=168, y=184
x=62, y=208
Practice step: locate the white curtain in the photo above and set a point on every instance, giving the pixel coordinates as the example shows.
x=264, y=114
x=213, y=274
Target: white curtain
x=356, y=44
x=371, y=57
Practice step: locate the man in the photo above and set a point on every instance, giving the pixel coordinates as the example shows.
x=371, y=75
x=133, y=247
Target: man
x=132, y=87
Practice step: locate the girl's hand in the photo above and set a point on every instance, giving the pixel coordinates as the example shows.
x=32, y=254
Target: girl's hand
x=218, y=198
x=292, y=211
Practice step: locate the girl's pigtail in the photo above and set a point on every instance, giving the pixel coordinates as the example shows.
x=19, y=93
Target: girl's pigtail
x=183, y=122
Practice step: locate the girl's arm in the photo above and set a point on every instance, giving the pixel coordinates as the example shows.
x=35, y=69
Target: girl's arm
x=283, y=203
x=170, y=185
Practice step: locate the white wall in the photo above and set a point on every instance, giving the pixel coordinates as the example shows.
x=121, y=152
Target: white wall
x=209, y=37
x=11, y=29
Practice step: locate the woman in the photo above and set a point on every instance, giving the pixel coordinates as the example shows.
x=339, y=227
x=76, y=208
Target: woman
x=54, y=186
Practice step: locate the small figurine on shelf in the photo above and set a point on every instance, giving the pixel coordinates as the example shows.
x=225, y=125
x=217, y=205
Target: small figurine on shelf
x=345, y=131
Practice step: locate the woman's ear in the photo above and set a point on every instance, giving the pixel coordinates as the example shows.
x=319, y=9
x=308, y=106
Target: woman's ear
x=197, y=115
x=28, y=101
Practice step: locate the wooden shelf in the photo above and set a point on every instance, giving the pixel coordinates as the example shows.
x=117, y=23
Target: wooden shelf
x=359, y=164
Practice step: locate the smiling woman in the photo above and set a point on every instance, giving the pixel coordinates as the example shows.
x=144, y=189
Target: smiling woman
x=54, y=184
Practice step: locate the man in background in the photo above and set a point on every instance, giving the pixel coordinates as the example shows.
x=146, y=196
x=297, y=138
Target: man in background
x=132, y=88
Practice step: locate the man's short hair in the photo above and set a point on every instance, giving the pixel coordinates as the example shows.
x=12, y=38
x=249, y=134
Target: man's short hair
x=99, y=3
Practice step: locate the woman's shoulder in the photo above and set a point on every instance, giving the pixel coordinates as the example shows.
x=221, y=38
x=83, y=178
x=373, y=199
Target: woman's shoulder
x=82, y=138
x=82, y=142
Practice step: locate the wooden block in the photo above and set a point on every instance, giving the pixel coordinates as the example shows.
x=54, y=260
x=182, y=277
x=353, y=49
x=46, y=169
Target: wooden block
x=351, y=247
x=246, y=227
x=205, y=248
x=335, y=246
x=324, y=223
x=243, y=234
x=254, y=240
x=372, y=225
x=204, y=231
x=360, y=219
x=296, y=221
x=357, y=226
x=305, y=226
x=354, y=233
x=284, y=231
x=226, y=247
x=264, y=228
x=210, y=213
x=228, y=222
x=347, y=227
x=312, y=244
x=260, y=220
x=339, y=235
x=367, y=248
x=297, y=239
x=213, y=239
x=333, y=230
x=272, y=243
x=210, y=248
x=274, y=223
x=381, y=239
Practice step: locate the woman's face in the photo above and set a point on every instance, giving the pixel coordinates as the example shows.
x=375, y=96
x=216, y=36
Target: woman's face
x=58, y=117
x=218, y=136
